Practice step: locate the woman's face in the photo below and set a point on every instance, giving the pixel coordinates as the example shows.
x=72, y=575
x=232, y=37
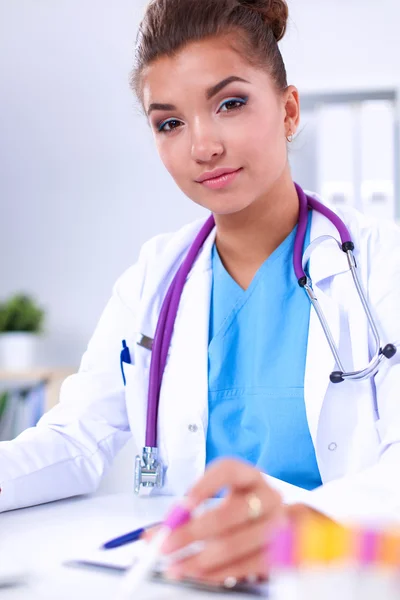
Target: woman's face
x=211, y=112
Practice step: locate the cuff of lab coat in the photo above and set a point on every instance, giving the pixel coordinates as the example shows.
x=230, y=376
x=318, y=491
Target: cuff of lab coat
x=291, y=494
x=346, y=501
x=347, y=505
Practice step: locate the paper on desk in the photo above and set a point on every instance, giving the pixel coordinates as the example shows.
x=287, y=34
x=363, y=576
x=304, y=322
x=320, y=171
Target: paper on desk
x=122, y=558
x=119, y=559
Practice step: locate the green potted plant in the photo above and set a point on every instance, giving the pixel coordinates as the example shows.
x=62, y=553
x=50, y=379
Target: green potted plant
x=21, y=322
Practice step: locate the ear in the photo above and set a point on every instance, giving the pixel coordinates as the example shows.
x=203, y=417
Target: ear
x=292, y=110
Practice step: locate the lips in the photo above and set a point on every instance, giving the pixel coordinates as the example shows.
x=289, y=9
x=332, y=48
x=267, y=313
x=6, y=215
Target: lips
x=215, y=174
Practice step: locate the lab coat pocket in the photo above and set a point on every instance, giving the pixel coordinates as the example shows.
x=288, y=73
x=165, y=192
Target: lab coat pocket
x=136, y=401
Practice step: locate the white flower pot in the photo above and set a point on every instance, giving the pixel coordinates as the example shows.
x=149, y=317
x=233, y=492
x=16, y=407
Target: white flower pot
x=18, y=351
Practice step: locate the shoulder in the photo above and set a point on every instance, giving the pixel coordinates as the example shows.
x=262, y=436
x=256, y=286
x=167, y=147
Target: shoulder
x=171, y=243
x=157, y=256
x=369, y=232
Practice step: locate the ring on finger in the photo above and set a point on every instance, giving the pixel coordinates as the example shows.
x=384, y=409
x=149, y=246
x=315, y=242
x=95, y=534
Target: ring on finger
x=230, y=582
x=254, y=506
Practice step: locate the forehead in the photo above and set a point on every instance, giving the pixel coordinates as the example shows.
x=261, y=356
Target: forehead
x=196, y=67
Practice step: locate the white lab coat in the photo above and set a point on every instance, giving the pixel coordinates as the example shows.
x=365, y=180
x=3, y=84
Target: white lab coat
x=355, y=427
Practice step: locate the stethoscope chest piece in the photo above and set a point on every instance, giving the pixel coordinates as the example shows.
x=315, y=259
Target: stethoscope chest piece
x=149, y=471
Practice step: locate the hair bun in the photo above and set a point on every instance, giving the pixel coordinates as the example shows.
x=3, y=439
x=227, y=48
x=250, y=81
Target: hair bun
x=275, y=13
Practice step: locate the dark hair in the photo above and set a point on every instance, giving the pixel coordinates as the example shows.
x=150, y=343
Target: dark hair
x=169, y=25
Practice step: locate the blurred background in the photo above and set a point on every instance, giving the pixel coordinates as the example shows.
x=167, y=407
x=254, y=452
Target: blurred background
x=81, y=186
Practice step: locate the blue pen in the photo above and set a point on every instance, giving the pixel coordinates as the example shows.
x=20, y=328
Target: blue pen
x=125, y=358
x=127, y=538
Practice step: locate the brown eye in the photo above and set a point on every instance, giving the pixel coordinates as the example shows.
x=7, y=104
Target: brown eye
x=233, y=104
x=166, y=126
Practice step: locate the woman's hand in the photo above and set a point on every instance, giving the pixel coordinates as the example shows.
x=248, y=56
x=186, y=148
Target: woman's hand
x=235, y=533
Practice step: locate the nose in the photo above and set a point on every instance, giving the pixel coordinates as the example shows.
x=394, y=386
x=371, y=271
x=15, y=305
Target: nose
x=206, y=143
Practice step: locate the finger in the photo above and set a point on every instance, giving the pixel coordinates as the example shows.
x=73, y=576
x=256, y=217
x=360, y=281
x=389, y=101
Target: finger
x=231, y=513
x=223, y=552
x=248, y=568
x=148, y=534
x=225, y=473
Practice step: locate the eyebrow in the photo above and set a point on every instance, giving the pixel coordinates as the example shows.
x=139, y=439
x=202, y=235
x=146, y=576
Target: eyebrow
x=210, y=93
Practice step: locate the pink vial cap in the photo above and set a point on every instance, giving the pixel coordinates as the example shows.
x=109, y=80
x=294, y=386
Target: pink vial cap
x=281, y=548
x=368, y=544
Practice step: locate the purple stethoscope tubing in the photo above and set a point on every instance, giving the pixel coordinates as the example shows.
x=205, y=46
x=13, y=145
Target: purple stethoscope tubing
x=164, y=330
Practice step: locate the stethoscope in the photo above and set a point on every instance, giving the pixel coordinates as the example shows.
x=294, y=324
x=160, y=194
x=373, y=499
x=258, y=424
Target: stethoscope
x=148, y=468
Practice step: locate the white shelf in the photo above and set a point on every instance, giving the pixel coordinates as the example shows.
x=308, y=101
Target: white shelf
x=37, y=374
x=52, y=377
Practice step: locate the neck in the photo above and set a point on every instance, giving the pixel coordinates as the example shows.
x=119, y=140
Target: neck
x=246, y=239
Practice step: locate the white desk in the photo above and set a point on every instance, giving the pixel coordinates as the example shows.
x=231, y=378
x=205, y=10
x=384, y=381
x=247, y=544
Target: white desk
x=42, y=537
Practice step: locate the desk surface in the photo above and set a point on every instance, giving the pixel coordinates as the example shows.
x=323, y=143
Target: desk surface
x=41, y=538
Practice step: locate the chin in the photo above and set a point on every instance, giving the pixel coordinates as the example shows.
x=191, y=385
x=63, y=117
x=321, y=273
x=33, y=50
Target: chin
x=226, y=206
x=227, y=209
x=224, y=203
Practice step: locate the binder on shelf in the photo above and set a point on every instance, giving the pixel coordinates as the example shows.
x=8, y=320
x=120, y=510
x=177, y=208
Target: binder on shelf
x=26, y=395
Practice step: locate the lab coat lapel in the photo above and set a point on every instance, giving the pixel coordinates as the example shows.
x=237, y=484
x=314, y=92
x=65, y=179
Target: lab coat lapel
x=326, y=262
x=184, y=391
x=320, y=362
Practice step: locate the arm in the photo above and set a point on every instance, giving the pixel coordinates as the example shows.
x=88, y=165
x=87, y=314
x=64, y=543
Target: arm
x=68, y=451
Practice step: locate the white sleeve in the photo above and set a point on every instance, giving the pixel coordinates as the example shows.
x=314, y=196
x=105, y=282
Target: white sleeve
x=68, y=451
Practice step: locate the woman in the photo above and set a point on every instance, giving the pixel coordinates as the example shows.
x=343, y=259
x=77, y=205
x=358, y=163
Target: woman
x=247, y=375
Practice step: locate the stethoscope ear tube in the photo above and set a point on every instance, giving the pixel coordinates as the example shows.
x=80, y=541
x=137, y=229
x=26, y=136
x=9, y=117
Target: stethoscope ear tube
x=379, y=354
x=347, y=246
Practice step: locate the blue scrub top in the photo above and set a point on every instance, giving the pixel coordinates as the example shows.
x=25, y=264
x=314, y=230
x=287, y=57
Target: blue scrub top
x=257, y=355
